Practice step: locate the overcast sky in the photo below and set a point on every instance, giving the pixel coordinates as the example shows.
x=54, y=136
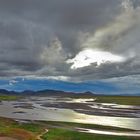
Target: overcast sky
x=70, y=40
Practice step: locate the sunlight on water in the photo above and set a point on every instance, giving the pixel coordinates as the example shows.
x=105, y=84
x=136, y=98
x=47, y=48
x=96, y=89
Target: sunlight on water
x=15, y=109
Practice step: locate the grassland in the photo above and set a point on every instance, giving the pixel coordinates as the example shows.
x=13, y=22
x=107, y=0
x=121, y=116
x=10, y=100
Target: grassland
x=22, y=131
x=57, y=131
x=80, y=125
x=64, y=134
x=8, y=97
x=124, y=100
x=118, y=99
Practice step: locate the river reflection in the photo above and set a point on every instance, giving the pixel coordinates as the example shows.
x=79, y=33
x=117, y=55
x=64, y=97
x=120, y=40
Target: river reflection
x=65, y=109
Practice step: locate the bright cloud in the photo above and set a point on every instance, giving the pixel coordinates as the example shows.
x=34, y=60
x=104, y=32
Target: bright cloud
x=89, y=56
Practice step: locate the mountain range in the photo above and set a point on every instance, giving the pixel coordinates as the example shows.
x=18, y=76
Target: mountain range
x=44, y=93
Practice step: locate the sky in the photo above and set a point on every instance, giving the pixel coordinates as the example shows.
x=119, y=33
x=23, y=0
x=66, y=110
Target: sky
x=72, y=45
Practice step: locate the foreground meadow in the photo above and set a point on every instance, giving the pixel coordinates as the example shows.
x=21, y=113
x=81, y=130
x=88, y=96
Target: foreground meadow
x=53, y=131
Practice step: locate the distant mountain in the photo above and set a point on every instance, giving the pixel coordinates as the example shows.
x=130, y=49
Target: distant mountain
x=48, y=92
x=44, y=93
x=6, y=92
x=55, y=93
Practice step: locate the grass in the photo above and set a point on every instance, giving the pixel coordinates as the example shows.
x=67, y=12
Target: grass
x=30, y=131
x=63, y=134
x=22, y=131
x=35, y=128
x=8, y=97
x=124, y=100
x=89, y=126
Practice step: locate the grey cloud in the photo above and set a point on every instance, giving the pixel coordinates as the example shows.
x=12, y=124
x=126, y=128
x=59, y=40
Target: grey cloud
x=38, y=36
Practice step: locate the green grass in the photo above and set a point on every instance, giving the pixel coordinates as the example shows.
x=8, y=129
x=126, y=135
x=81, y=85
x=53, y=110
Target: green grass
x=89, y=126
x=63, y=134
x=29, y=131
x=35, y=128
x=23, y=131
x=7, y=124
x=124, y=100
x=8, y=97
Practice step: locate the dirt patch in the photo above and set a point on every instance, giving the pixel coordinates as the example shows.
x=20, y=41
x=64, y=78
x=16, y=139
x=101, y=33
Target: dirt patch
x=22, y=134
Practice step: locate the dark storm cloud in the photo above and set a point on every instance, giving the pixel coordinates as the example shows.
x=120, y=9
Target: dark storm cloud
x=37, y=37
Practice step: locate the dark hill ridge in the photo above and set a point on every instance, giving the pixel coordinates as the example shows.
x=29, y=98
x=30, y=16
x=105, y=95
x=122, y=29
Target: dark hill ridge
x=44, y=93
x=48, y=92
x=6, y=92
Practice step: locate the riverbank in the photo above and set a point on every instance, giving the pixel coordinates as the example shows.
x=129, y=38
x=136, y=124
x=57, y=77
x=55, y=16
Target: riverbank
x=42, y=130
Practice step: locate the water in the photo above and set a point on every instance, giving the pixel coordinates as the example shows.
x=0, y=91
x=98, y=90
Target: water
x=33, y=108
